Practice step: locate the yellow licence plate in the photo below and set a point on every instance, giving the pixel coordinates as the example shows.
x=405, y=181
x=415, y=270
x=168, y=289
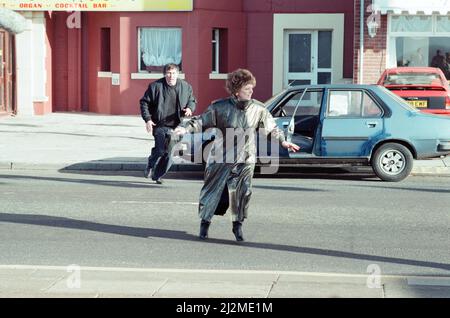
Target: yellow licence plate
x=418, y=103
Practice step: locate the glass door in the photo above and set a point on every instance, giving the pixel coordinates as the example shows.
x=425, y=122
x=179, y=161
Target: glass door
x=299, y=66
x=307, y=57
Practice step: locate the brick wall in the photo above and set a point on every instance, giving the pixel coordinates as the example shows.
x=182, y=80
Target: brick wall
x=374, y=55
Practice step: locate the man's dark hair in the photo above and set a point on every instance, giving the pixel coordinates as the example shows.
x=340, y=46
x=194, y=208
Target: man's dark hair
x=170, y=66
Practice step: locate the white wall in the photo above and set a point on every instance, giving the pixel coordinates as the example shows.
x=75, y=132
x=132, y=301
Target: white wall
x=31, y=74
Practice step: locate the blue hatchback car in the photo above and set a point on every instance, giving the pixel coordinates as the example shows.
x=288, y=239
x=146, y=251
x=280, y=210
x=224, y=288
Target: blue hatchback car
x=351, y=125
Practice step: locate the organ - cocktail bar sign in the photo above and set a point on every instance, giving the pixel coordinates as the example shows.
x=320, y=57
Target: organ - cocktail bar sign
x=98, y=5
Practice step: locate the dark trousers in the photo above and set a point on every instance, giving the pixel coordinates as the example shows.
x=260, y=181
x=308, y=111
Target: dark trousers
x=160, y=159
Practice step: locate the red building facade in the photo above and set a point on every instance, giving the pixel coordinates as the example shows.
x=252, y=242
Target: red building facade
x=81, y=83
x=94, y=60
x=99, y=61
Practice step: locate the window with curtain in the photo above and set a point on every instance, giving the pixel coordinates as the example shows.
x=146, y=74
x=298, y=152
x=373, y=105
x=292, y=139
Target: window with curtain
x=157, y=47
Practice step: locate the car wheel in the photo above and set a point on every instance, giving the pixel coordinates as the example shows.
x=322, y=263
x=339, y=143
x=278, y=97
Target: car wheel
x=392, y=162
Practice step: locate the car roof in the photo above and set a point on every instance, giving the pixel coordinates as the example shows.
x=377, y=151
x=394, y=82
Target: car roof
x=334, y=86
x=409, y=69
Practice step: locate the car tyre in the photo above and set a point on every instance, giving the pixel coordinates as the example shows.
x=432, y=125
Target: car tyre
x=392, y=162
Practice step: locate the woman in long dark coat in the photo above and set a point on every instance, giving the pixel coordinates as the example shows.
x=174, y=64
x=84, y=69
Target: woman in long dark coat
x=236, y=119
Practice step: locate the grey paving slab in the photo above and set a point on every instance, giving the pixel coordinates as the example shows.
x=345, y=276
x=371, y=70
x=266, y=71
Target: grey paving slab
x=24, y=284
x=27, y=294
x=5, y=165
x=111, y=283
x=323, y=289
x=396, y=291
x=213, y=289
x=96, y=286
x=60, y=282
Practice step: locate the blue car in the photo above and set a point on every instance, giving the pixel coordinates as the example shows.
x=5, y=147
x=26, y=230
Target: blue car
x=349, y=125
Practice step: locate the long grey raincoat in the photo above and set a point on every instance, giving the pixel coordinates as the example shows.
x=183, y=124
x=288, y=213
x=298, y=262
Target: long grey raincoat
x=233, y=156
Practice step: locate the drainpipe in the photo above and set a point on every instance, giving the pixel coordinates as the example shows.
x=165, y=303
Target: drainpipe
x=361, y=42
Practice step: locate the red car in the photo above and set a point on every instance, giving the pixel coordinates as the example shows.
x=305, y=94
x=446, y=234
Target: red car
x=425, y=88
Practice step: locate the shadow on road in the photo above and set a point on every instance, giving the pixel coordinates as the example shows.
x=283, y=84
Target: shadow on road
x=62, y=222
x=196, y=173
x=112, y=183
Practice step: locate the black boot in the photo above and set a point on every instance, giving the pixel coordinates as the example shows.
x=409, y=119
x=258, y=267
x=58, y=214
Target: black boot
x=237, y=230
x=204, y=226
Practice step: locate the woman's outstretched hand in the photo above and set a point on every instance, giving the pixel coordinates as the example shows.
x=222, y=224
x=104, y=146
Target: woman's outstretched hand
x=290, y=146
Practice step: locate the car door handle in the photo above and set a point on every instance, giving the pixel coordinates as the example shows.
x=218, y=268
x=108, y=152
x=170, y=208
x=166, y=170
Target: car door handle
x=285, y=124
x=371, y=124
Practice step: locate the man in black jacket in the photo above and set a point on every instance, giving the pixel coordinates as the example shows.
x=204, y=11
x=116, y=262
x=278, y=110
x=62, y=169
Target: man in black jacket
x=162, y=106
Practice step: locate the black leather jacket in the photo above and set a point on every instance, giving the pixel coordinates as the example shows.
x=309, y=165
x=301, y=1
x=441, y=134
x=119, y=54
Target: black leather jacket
x=153, y=100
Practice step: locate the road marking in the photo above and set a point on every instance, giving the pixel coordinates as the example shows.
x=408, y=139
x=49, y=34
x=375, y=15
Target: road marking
x=175, y=270
x=429, y=281
x=217, y=271
x=155, y=202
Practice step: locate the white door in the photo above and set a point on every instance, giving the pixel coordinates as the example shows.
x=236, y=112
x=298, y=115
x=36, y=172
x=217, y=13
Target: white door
x=307, y=57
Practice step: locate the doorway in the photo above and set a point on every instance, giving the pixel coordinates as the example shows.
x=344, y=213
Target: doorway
x=7, y=98
x=307, y=57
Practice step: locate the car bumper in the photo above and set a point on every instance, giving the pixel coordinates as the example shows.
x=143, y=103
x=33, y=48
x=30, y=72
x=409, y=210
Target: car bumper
x=444, y=146
x=436, y=111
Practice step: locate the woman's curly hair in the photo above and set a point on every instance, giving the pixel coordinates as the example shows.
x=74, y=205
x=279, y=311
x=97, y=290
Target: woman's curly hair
x=238, y=79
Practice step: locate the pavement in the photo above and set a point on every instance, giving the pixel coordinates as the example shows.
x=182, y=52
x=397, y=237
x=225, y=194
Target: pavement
x=77, y=141
x=85, y=141
x=99, y=282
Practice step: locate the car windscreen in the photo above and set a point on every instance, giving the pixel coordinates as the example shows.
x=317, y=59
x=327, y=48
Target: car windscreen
x=273, y=98
x=413, y=79
x=400, y=100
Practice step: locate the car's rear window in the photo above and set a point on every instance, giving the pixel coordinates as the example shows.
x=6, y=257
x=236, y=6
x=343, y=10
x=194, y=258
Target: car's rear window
x=413, y=79
x=400, y=100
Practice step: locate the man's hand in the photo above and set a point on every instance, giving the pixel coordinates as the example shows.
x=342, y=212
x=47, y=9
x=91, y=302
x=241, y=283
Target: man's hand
x=179, y=131
x=187, y=112
x=149, y=126
x=290, y=146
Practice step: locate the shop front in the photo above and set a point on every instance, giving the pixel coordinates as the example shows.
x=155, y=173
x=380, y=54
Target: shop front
x=419, y=40
x=418, y=33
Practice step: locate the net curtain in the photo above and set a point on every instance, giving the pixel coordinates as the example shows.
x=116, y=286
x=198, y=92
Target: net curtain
x=160, y=46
